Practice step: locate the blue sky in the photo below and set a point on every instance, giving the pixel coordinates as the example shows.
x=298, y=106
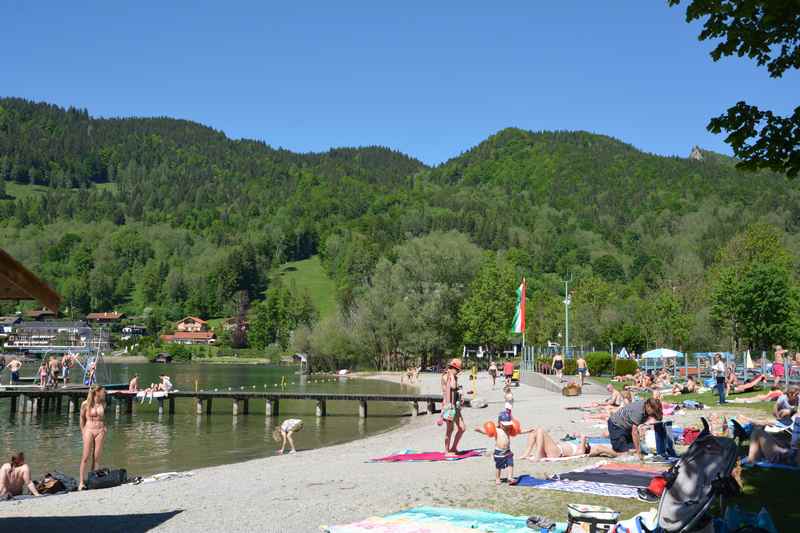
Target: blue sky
x=428, y=78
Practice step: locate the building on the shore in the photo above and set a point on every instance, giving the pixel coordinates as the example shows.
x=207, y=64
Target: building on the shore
x=105, y=318
x=191, y=324
x=40, y=314
x=7, y=324
x=55, y=336
x=190, y=337
x=133, y=331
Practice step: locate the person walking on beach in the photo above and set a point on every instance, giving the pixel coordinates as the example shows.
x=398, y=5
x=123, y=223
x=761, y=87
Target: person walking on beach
x=508, y=371
x=93, y=429
x=451, y=407
x=284, y=433
x=582, y=368
x=493, y=373
x=14, y=475
x=558, y=366
x=719, y=374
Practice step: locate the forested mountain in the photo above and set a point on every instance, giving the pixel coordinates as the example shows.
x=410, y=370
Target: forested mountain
x=172, y=217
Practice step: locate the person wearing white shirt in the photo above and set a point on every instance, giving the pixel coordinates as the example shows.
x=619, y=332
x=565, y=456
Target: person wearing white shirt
x=719, y=374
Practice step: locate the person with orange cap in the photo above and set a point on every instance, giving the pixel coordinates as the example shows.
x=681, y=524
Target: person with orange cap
x=451, y=407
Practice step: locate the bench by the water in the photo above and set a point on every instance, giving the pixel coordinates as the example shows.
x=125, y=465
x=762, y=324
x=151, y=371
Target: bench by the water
x=38, y=400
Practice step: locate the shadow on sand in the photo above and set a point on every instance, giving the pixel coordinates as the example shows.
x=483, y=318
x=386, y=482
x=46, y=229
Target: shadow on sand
x=127, y=523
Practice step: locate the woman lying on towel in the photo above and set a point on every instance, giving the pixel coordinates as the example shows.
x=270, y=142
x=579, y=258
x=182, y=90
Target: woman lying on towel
x=753, y=384
x=542, y=446
x=688, y=388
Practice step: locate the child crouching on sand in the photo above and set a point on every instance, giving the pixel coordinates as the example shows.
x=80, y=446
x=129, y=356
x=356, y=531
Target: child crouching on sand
x=285, y=431
x=503, y=456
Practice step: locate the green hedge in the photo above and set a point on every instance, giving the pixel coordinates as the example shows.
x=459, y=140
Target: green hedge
x=599, y=363
x=625, y=366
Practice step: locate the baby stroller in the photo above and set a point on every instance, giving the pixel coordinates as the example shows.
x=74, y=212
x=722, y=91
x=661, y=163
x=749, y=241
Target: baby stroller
x=703, y=473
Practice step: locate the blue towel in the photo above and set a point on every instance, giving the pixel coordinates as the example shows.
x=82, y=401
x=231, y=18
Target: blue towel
x=529, y=481
x=767, y=464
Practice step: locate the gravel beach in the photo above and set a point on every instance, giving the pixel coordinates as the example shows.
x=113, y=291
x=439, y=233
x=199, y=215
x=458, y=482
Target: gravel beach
x=301, y=492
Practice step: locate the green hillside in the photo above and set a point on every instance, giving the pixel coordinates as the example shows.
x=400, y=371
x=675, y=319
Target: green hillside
x=173, y=217
x=308, y=276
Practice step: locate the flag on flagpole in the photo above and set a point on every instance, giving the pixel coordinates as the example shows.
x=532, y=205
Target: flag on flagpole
x=519, y=315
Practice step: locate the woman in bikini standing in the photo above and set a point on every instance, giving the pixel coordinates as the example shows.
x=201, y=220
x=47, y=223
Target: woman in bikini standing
x=93, y=429
x=558, y=365
x=451, y=407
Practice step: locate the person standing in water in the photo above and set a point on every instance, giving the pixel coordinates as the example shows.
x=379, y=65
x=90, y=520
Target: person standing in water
x=93, y=429
x=451, y=407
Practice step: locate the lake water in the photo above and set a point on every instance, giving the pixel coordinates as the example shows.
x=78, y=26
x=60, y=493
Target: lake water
x=145, y=443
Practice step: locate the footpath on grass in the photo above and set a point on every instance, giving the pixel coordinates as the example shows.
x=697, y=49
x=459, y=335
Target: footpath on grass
x=338, y=484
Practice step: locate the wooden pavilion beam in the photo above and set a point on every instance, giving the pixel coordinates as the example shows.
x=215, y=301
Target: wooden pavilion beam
x=18, y=283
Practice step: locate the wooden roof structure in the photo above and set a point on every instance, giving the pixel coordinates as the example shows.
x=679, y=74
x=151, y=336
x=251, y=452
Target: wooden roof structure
x=18, y=283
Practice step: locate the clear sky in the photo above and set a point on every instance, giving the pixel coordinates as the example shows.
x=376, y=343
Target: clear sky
x=429, y=78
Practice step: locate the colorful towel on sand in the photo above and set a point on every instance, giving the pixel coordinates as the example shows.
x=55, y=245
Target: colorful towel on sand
x=529, y=481
x=592, y=487
x=427, y=456
x=635, y=467
x=435, y=520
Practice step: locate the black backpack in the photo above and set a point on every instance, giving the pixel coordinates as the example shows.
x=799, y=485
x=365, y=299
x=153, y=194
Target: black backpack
x=105, y=478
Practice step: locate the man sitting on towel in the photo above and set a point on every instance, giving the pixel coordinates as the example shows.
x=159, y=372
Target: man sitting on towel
x=623, y=426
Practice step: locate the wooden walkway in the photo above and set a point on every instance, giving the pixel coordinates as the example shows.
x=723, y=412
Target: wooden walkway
x=38, y=400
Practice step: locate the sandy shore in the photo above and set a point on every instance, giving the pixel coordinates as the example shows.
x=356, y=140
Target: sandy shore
x=300, y=492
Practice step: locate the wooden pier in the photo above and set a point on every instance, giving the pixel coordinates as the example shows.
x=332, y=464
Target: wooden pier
x=43, y=401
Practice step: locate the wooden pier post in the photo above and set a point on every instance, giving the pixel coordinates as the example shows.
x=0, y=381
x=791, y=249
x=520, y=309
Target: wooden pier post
x=431, y=407
x=46, y=404
x=129, y=406
x=246, y=407
x=321, y=408
x=414, y=409
x=71, y=405
x=58, y=404
x=208, y=406
x=236, y=407
x=198, y=406
x=117, y=408
x=362, y=409
x=13, y=409
x=37, y=405
x=171, y=405
x=272, y=407
x=160, y=406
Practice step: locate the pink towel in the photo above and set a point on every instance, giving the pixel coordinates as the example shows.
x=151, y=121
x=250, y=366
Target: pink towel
x=427, y=456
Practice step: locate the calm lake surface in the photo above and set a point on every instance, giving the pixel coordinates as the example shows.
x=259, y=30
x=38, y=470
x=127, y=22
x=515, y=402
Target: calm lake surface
x=145, y=443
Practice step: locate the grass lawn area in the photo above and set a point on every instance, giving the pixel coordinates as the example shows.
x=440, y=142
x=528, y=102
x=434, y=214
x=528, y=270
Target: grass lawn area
x=19, y=191
x=309, y=276
x=708, y=398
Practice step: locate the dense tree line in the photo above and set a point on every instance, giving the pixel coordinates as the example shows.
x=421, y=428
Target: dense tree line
x=166, y=217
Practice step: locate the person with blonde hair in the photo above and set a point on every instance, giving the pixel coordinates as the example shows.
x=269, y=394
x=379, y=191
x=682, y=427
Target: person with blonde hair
x=285, y=431
x=14, y=475
x=93, y=430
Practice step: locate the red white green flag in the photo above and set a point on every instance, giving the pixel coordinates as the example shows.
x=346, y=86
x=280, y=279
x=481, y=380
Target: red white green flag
x=519, y=315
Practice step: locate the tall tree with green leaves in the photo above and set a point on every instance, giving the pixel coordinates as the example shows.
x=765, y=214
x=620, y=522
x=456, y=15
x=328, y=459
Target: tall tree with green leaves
x=767, y=31
x=487, y=313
